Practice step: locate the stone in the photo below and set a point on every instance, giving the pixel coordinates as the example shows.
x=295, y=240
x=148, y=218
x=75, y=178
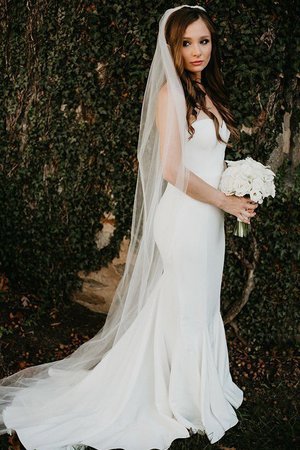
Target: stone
x=98, y=287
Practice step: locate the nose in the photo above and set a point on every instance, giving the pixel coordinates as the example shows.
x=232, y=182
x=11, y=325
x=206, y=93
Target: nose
x=196, y=49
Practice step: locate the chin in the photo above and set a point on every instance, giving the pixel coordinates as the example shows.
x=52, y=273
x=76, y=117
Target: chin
x=194, y=71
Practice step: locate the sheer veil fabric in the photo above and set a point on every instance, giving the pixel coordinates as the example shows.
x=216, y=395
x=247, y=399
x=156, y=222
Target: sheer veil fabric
x=143, y=265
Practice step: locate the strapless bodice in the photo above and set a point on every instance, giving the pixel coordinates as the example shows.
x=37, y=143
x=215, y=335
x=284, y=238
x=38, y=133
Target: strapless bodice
x=204, y=154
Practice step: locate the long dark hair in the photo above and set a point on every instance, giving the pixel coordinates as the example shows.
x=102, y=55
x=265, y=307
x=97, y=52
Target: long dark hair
x=211, y=76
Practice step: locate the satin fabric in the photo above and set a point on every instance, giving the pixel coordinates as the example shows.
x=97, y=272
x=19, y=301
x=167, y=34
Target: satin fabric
x=168, y=376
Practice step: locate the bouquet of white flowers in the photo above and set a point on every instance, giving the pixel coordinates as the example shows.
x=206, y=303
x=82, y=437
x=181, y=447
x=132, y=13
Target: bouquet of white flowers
x=247, y=177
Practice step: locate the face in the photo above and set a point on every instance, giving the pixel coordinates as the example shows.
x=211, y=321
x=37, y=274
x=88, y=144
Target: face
x=196, y=47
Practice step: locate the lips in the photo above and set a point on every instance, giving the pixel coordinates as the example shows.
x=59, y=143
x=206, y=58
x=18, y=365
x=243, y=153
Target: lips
x=197, y=63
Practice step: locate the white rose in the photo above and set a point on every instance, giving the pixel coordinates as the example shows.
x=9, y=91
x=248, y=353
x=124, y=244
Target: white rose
x=256, y=196
x=226, y=184
x=257, y=185
x=241, y=186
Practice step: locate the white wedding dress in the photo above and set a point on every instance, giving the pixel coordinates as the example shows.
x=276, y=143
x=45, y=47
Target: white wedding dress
x=168, y=376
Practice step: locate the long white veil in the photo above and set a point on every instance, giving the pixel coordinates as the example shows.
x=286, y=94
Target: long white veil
x=143, y=266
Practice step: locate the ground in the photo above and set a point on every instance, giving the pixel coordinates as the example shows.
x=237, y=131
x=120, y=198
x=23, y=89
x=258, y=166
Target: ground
x=32, y=333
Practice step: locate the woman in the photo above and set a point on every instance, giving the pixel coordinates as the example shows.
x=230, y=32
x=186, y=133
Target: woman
x=158, y=370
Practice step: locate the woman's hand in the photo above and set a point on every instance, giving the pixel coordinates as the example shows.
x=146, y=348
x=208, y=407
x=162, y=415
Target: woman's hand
x=240, y=207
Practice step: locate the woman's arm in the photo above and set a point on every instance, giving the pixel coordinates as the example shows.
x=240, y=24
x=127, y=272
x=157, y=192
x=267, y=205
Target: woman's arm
x=197, y=188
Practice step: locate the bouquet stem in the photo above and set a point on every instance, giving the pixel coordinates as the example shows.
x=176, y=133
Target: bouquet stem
x=241, y=229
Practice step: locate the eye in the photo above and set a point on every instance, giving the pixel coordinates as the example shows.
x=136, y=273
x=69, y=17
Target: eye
x=187, y=43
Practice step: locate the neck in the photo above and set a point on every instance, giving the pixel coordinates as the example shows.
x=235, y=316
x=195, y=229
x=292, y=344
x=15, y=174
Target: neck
x=197, y=77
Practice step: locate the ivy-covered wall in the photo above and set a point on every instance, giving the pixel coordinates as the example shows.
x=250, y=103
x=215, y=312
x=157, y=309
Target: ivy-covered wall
x=73, y=76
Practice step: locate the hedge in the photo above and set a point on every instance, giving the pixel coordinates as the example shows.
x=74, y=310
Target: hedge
x=73, y=77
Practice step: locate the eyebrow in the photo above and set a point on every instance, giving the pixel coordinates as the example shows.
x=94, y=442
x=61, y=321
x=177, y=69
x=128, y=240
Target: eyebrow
x=201, y=37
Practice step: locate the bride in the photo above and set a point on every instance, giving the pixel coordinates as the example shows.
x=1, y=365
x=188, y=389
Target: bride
x=158, y=370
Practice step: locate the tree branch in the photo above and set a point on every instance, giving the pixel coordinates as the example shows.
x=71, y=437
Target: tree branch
x=239, y=304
